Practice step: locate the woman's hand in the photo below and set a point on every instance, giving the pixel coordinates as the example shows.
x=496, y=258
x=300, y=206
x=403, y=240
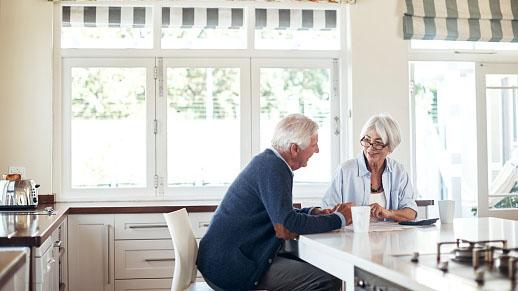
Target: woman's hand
x=379, y=212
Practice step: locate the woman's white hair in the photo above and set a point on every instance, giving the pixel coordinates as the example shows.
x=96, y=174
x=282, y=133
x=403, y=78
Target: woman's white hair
x=294, y=128
x=387, y=128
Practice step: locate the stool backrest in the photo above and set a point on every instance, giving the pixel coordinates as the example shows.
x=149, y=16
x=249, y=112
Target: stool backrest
x=185, y=249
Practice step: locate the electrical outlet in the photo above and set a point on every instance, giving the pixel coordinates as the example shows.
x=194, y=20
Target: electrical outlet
x=17, y=170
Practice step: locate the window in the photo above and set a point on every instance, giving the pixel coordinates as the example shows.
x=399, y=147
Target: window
x=305, y=90
x=199, y=28
x=203, y=124
x=107, y=137
x=465, y=126
x=172, y=101
x=462, y=45
x=445, y=132
x=501, y=91
x=296, y=29
x=106, y=27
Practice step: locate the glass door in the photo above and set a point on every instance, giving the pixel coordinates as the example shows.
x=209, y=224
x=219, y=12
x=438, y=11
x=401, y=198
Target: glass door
x=497, y=115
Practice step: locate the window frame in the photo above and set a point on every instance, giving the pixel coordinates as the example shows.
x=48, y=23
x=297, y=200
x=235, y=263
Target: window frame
x=481, y=59
x=107, y=193
x=63, y=57
x=209, y=192
x=302, y=189
x=482, y=69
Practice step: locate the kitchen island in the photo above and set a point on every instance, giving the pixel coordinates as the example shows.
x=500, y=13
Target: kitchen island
x=386, y=255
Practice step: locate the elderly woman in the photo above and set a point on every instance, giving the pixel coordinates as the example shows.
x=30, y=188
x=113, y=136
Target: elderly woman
x=373, y=178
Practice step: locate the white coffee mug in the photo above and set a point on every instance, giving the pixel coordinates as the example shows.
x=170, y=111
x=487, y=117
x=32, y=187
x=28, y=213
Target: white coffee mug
x=361, y=218
x=446, y=210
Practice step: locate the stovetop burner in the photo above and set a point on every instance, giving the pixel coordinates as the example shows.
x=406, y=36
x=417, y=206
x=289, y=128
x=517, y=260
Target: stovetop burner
x=488, y=263
x=469, y=251
x=465, y=254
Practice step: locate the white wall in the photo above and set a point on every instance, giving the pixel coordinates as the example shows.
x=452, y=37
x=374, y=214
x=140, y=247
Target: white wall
x=26, y=88
x=378, y=62
x=379, y=70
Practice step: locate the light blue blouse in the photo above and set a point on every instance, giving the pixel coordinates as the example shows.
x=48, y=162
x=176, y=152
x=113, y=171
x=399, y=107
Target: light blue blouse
x=352, y=183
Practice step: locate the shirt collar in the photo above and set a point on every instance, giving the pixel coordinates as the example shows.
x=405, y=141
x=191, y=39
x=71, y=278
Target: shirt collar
x=280, y=157
x=362, y=165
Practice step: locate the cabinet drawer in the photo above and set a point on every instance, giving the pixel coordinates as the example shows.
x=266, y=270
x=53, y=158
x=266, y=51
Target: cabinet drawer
x=200, y=222
x=141, y=226
x=141, y=259
x=143, y=285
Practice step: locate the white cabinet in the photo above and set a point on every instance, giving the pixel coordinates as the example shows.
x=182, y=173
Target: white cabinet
x=135, y=259
x=46, y=264
x=124, y=251
x=90, y=252
x=144, y=255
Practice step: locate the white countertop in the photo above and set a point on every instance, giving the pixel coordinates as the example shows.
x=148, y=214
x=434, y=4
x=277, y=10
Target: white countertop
x=340, y=251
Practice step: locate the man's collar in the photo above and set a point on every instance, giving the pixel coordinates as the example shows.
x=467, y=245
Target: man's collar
x=280, y=157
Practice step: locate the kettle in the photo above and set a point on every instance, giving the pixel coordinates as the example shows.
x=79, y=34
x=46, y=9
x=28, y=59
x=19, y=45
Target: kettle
x=18, y=194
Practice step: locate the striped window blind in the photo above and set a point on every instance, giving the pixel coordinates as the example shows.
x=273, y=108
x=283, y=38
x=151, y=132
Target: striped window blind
x=296, y=19
x=188, y=17
x=104, y=16
x=461, y=20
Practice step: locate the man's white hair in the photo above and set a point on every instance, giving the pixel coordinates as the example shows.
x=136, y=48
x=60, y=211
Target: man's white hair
x=386, y=127
x=294, y=129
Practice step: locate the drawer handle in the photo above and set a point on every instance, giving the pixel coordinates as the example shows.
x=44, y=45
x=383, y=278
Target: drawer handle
x=148, y=226
x=159, y=260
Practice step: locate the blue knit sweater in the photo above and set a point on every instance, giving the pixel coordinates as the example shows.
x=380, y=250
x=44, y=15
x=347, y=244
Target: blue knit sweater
x=235, y=251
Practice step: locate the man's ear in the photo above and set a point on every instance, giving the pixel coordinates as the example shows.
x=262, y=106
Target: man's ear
x=294, y=149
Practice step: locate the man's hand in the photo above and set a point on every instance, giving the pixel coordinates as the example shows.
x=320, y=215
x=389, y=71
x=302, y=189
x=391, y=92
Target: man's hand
x=379, y=212
x=320, y=211
x=283, y=233
x=345, y=210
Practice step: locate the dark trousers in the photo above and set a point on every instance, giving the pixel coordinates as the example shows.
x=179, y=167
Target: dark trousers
x=288, y=273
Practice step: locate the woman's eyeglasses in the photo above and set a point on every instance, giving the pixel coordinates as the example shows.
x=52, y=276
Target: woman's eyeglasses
x=375, y=145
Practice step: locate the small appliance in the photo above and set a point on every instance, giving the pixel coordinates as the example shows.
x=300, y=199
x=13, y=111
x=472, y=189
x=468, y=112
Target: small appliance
x=18, y=194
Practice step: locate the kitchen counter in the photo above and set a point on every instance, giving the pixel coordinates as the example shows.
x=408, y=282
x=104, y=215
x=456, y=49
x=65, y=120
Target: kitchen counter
x=387, y=253
x=11, y=260
x=33, y=228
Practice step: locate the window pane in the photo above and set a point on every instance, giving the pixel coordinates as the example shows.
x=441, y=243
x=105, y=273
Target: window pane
x=106, y=27
x=307, y=91
x=462, y=45
x=296, y=29
x=501, y=80
x=203, y=28
x=108, y=129
x=445, y=133
x=502, y=132
x=203, y=135
x=297, y=39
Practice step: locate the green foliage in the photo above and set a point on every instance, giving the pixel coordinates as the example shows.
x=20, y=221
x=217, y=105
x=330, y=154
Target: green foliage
x=108, y=93
x=189, y=89
x=508, y=202
x=285, y=91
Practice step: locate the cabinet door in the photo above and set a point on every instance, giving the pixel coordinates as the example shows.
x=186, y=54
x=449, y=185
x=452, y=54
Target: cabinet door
x=90, y=252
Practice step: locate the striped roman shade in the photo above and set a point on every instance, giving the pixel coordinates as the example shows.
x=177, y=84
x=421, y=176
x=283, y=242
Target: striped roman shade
x=463, y=20
x=295, y=19
x=189, y=17
x=106, y=16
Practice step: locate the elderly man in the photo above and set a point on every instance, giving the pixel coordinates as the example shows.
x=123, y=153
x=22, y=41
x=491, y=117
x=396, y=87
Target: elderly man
x=240, y=249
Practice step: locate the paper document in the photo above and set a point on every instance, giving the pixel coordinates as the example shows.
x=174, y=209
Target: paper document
x=382, y=226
